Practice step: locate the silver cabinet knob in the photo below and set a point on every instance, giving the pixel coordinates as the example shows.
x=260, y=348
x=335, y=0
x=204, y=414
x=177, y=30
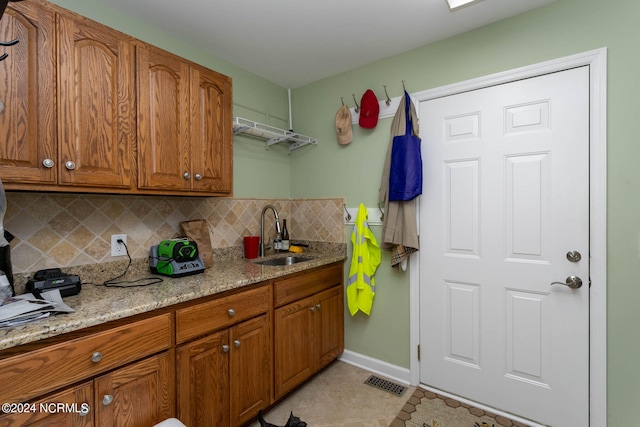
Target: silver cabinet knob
x=225, y=348
x=236, y=343
x=85, y=408
x=574, y=282
x=231, y=312
x=96, y=357
x=313, y=309
x=48, y=163
x=107, y=399
x=187, y=175
x=70, y=165
x=318, y=306
x=198, y=177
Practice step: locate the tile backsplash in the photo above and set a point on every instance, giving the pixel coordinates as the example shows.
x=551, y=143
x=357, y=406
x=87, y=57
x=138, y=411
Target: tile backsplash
x=62, y=230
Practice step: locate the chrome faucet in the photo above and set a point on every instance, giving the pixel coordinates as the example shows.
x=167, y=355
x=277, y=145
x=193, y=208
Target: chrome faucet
x=275, y=213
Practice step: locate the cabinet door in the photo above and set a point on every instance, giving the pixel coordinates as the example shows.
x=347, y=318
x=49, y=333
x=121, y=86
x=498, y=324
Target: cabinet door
x=45, y=413
x=251, y=369
x=203, y=381
x=328, y=326
x=137, y=395
x=96, y=111
x=293, y=345
x=163, y=121
x=27, y=78
x=211, y=131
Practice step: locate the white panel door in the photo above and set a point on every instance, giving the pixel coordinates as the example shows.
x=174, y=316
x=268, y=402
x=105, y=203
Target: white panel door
x=506, y=197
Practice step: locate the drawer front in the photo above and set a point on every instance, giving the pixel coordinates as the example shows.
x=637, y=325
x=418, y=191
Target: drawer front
x=304, y=285
x=206, y=317
x=31, y=374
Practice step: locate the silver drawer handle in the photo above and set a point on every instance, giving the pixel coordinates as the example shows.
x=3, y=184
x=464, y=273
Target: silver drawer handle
x=96, y=357
x=231, y=312
x=107, y=399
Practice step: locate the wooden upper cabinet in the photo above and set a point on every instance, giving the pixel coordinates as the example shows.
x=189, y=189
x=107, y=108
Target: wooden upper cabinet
x=163, y=120
x=96, y=113
x=27, y=78
x=184, y=125
x=211, y=131
x=90, y=109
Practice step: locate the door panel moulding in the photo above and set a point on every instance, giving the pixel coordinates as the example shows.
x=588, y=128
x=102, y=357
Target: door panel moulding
x=597, y=62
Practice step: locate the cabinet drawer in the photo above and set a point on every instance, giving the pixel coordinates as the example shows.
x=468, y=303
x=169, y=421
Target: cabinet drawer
x=304, y=285
x=209, y=316
x=31, y=374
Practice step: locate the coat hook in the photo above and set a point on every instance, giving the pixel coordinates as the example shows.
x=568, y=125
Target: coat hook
x=348, y=217
x=388, y=101
x=381, y=213
x=357, y=109
x=403, y=88
x=342, y=99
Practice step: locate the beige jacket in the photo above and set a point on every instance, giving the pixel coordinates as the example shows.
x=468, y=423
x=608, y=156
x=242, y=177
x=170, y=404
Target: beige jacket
x=399, y=228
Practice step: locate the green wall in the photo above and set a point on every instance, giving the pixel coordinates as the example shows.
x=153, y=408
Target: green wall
x=563, y=28
x=257, y=172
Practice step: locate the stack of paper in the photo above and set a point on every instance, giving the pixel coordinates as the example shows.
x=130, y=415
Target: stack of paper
x=26, y=308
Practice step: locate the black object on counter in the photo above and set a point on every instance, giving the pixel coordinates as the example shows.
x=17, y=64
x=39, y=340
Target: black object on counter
x=5, y=260
x=53, y=278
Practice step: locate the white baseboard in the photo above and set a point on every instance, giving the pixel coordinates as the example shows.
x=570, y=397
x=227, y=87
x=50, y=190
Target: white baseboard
x=392, y=372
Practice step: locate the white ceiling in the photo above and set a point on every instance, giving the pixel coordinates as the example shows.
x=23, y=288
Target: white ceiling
x=295, y=42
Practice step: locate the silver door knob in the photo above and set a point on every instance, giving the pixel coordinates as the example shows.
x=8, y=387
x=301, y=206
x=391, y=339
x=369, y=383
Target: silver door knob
x=48, y=163
x=225, y=348
x=107, y=399
x=236, y=343
x=198, y=177
x=96, y=357
x=187, y=175
x=70, y=165
x=574, y=282
x=574, y=256
x=231, y=312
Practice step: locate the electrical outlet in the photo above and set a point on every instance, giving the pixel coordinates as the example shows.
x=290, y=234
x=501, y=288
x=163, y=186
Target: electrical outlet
x=118, y=249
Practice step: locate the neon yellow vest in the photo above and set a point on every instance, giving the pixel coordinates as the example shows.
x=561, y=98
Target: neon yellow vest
x=364, y=262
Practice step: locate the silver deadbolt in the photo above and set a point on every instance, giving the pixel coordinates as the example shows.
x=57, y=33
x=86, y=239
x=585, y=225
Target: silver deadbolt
x=574, y=282
x=574, y=256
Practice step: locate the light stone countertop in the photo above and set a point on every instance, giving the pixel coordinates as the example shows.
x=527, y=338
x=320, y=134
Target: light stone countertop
x=97, y=304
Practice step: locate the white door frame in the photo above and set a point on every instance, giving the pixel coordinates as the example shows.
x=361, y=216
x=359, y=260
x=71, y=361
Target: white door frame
x=597, y=62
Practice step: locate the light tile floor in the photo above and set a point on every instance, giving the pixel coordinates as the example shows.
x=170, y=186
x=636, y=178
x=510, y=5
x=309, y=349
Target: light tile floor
x=338, y=396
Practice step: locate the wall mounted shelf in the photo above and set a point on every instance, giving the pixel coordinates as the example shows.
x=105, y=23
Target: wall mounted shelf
x=272, y=134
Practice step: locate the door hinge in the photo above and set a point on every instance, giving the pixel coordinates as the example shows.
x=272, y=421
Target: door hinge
x=418, y=352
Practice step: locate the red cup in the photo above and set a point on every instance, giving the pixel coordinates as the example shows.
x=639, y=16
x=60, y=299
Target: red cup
x=251, y=245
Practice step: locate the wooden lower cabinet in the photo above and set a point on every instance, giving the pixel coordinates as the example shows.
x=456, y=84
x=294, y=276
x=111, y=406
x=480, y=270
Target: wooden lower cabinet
x=41, y=413
x=137, y=395
x=212, y=362
x=309, y=332
x=225, y=378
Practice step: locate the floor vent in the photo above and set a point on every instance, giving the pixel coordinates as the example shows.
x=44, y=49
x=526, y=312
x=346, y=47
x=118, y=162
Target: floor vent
x=386, y=385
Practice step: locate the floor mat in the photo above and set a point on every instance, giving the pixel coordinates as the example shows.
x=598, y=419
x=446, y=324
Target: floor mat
x=428, y=409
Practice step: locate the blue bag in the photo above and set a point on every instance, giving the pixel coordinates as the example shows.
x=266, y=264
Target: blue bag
x=405, y=174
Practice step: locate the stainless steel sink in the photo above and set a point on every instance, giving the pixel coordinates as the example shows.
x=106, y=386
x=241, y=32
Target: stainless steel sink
x=288, y=260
